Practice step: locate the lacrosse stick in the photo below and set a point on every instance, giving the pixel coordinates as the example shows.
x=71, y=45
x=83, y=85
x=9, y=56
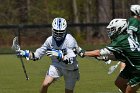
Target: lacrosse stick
x=16, y=48
x=112, y=68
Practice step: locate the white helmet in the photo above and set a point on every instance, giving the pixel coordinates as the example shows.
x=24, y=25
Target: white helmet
x=116, y=26
x=135, y=9
x=59, y=26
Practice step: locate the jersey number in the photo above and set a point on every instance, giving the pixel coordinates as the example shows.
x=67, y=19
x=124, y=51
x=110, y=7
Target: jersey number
x=134, y=45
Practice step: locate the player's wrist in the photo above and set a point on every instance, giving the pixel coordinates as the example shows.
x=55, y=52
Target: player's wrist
x=82, y=53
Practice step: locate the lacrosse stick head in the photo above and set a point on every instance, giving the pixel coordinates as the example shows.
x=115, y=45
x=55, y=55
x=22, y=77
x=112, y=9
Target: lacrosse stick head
x=111, y=69
x=15, y=45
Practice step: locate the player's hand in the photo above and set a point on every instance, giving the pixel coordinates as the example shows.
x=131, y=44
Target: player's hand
x=23, y=53
x=108, y=62
x=104, y=58
x=55, y=53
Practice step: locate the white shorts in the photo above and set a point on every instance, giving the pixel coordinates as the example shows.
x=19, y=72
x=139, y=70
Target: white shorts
x=70, y=76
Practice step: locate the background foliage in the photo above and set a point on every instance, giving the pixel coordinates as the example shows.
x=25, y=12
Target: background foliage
x=31, y=12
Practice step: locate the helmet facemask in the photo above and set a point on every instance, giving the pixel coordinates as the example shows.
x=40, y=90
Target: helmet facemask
x=58, y=34
x=113, y=32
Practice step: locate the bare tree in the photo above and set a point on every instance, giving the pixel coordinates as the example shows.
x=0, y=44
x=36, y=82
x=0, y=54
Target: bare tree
x=104, y=16
x=89, y=31
x=76, y=17
x=22, y=6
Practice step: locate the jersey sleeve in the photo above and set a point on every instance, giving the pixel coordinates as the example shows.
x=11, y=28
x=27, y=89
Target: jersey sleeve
x=133, y=24
x=42, y=50
x=71, y=42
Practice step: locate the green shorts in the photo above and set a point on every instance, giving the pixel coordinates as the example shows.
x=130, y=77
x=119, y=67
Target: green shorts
x=132, y=75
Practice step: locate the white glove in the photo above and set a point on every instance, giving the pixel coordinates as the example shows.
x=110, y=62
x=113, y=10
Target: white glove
x=108, y=62
x=55, y=53
x=104, y=58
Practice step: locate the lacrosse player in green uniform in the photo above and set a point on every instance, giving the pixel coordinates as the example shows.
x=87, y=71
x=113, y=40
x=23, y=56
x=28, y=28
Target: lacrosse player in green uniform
x=120, y=49
x=133, y=28
x=134, y=24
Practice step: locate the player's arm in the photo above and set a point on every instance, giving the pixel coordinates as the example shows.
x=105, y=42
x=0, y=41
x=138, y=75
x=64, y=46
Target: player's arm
x=94, y=53
x=29, y=55
x=102, y=54
x=97, y=53
x=76, y=48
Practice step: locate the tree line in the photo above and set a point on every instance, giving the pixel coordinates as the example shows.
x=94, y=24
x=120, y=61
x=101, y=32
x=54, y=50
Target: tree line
x=74, y=11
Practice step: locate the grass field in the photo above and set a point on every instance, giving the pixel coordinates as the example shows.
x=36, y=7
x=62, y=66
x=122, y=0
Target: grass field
x=93, y=76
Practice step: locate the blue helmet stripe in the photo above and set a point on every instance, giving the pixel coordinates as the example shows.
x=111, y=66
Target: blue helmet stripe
x=59, y=23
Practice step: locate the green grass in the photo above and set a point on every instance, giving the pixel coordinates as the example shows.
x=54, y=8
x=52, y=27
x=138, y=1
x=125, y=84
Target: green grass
x=93, y=76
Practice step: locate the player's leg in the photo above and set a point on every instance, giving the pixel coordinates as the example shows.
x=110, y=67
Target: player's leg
x=133, y=85
x=121, y=83
x=52, y=74
x=70, y=78
x=46, y=83
x=122, y=79
x=130, y=89
x=122, y=66
x=68, y=91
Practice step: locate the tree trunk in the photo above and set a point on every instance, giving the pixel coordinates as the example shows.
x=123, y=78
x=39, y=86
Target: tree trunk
x=104, y=16
x=89, y=31
x=22, y=11
x=76, y=17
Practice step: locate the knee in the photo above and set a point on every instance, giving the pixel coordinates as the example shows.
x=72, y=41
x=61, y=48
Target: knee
x=46, y=84
x=44, y=88
x=116, y=83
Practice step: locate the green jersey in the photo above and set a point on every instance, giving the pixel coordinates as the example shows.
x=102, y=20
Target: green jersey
x=134, y=25
x=126, y=49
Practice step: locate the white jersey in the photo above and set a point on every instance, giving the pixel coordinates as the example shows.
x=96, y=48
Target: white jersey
x=68, y=44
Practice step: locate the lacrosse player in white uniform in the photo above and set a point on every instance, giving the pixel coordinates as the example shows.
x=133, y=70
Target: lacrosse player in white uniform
x=59, y=47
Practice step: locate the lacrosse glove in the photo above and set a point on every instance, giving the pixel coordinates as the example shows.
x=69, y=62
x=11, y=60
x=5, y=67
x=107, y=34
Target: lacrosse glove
x=55, y=53
x=24, y=53
x=79, y=51
x=104, y=58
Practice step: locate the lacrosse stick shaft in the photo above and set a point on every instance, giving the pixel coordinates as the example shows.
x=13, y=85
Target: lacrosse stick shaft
x=24, y=69
x=118, y=63
x=16, y=47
